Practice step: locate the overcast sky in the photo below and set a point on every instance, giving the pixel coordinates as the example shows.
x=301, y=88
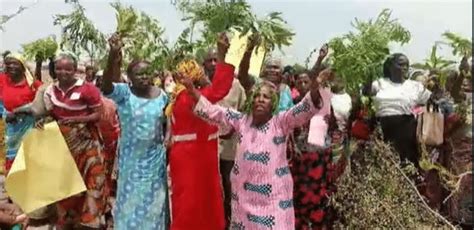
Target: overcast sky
x=314, y=21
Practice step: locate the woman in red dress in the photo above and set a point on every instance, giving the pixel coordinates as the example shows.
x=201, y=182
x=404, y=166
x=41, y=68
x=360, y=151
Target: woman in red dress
x=17, y=91
x=195, y=181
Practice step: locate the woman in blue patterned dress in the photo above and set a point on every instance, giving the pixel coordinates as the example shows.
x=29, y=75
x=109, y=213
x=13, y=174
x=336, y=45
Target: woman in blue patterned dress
x=142, y=199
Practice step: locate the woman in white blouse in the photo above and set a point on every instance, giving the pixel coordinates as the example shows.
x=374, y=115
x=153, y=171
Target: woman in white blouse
x=395, y=96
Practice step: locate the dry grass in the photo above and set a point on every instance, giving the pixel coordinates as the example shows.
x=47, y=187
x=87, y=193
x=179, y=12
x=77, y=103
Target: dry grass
x=376, y=193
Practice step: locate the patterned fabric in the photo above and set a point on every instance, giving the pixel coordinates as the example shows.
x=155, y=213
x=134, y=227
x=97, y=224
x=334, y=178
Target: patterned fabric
x=2, y=108
x=86, y=208
x=142, y=199
x=109, y=129
x=259, y=190
x=262, y=157
x=13, y=136
x=266, y=221
x=189, y=69
x=235, y=100
x=2, y=146
x=313, y=185
x=314, y=173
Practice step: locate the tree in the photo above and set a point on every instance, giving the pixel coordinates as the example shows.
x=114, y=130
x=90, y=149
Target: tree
x=461, y=46
x=216, y=16
x=4, y=18
x=271, y=30
x=435, y=63
x=41, y=49
x=141, y=35
x=80, y=35
x=358, y=56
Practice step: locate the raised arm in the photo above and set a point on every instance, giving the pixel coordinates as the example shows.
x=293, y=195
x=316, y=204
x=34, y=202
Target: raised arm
x=323, y=52
x=210, y=112
x=243, y=75
x=302, y=112
x=112, y=71
x=39, y=64
x=223, y=76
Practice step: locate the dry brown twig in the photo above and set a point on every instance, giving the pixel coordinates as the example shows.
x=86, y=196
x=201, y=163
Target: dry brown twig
x=427, y=207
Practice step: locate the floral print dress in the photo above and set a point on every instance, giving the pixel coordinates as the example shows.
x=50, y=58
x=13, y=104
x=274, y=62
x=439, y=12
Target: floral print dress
x=142, y=190
x=262, y=186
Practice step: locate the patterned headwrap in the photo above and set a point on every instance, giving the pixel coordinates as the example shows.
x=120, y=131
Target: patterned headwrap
x=248, y=107
x=190, y=69
x=28, y=76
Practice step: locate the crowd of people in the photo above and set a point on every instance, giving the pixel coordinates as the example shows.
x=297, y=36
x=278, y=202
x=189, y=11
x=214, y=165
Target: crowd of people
x=207, y=147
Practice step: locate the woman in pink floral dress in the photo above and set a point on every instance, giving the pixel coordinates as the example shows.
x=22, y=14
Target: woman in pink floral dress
x=262, y=186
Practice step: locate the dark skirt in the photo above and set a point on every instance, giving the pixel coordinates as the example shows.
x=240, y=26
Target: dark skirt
x=400, y=131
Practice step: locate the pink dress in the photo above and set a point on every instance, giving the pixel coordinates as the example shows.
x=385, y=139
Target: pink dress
x=262, y=186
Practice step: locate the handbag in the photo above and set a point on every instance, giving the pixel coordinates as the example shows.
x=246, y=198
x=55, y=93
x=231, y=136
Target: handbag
x=430, y=127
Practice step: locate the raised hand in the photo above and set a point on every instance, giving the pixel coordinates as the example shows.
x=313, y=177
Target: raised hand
x=323, y=52
x=325, y=77
x=252, y=42
x=222, y=46
x=187, y=82
x=464, y=65
x=115, y=42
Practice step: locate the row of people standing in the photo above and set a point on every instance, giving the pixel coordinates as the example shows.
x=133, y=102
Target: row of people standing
x=75, y=104
x=257, y=180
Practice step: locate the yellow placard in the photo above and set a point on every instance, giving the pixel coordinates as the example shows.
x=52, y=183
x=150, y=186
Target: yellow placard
x=236, y=52
x=44, y=171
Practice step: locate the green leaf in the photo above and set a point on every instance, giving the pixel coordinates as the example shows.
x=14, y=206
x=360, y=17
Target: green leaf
x=126, y=18
x=80, y=35
x=461, y=46
x=358, y=55
x=41, y=49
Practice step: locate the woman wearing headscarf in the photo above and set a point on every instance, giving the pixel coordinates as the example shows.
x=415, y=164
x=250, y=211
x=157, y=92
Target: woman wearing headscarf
x=18, y=89
x=196, y=191
x=75, y=105
x=395, y=97
x=142, y=198
x=262, y=187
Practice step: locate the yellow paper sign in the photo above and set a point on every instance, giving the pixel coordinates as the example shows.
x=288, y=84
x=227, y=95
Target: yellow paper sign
x=236, y=52
x=44, y=171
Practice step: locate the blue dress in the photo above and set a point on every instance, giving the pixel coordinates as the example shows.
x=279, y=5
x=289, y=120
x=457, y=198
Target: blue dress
x=142, y=191
x=286, y=102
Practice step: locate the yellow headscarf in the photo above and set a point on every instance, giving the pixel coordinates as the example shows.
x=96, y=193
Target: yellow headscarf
x=190, y=69
x=19, y=57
